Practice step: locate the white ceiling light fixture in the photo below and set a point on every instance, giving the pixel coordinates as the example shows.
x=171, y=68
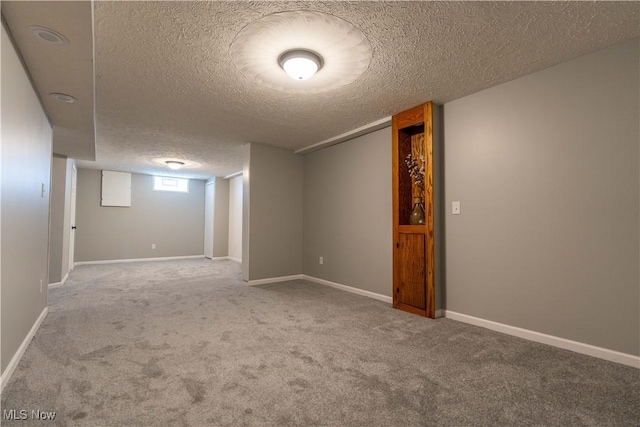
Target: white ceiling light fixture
x=63, y=97
x=341, y=50
x=174, y=164
x=47, y=35
x=300, y=64
x=165, y=162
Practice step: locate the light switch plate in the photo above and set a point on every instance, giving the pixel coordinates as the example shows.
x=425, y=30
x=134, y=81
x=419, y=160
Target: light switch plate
x=455, y=208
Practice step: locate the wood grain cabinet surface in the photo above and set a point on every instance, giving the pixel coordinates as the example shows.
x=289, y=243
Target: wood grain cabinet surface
x=417, y=255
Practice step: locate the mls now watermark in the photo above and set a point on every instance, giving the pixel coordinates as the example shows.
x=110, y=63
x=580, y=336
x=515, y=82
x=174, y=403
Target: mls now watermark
x=23, y=415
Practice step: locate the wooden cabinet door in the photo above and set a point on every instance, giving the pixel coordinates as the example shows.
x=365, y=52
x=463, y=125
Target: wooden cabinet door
x=411, y=289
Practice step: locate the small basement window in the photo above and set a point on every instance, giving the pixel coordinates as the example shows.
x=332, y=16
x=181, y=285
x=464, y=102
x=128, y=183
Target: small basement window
x=179, y=185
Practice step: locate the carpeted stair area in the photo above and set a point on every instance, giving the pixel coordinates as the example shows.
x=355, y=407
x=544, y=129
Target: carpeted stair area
x=187, y=343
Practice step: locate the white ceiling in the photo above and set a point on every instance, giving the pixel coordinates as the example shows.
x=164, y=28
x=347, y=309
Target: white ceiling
x=166, y=85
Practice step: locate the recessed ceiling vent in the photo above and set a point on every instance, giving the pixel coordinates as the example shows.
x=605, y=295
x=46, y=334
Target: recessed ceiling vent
x=47, y=35
x=63, y=97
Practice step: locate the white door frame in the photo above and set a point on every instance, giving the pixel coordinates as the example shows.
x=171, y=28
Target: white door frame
x=72, y=213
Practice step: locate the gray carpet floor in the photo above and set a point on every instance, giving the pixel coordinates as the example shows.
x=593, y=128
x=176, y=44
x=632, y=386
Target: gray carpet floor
x=187, y=343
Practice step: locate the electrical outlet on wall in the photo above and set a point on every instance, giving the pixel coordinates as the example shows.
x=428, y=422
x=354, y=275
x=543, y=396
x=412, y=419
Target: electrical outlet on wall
x=40, y=285
x=153, y=246
x=321, y=260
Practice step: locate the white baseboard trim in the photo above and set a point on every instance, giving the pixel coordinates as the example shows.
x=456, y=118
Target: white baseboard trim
x=221, y=258
x=116, y=261
x=60, y=283
x=578, y=347
x=351, y=289
x=274, y=280
x=6, y=375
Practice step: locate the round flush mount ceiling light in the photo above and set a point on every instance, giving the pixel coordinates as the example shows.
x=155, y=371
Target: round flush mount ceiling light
x=170, y=158
x=342, y=52
x=48, y=35
x=63, y=97
x=174, y=164
x=300, y=64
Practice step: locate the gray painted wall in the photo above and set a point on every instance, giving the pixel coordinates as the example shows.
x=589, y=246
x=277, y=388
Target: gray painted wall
x=235, y=218
x=216, y=218
x=26, y=167
x=56, y=221
x=221, y=218
x=273, y=188
x=546, y=169
x=173, y=221
x=347, y=213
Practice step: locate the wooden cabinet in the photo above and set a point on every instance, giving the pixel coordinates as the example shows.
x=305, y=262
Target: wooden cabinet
x=411, y=284
x=417, y=273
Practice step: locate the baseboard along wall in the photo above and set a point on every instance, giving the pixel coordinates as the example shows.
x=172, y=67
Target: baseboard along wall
x=575, y=346
x=222, y=258
x=115, y=261
x=351, y=289
x=60, y=283
x=321, y=282
x=13, y=364
x=274, y=280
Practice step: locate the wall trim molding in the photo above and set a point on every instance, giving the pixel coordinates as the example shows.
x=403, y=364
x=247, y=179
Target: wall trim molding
x=233, y=175
x=221, y=258
x=362, y=130
x=116, y=261
x=15, y=360
x=60, y=283
x=274, y=280
x=578, y=347
x=324, y=282
x=350, y=289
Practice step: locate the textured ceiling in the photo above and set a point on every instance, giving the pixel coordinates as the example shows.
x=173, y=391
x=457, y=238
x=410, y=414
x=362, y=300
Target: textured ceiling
x=167, y=87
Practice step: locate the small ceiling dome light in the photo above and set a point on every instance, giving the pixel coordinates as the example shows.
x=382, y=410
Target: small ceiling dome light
x=174, y=164
x=63, y=97
x=47, y=35
x=300, y=64
x=261, y=48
